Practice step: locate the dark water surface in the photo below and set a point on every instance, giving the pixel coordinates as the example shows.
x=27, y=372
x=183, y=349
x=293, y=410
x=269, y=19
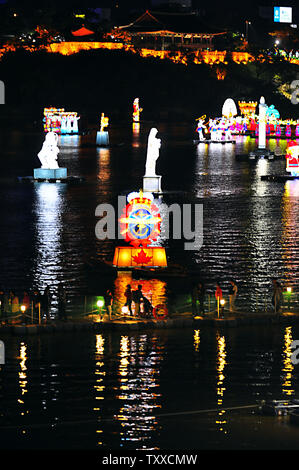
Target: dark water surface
x=155, y=390
x=47, y=230
x=149, y=390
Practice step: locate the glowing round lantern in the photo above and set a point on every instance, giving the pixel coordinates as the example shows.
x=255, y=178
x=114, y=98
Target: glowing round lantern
x=229, y=108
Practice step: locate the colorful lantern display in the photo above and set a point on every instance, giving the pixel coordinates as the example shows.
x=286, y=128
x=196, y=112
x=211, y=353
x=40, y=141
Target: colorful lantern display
x=60, y=121
x=229, y=108
x=247, y=108
x=104, y=122
x=288, y=131
x=292, y=158
x=140, y=225
x=272, y=112
x=136, y=110
x=200, y=127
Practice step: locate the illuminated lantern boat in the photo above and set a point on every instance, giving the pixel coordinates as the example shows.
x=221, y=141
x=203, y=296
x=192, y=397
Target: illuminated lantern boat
x=60, y=121
x=140, y=225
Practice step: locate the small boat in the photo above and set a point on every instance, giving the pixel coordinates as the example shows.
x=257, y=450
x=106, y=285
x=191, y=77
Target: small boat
x=279, y=407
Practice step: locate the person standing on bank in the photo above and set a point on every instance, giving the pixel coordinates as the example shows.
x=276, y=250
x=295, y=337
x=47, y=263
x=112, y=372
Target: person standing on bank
x=218, y=291
x=46, y=302
x=61, y=303
x=129, y=298
x=232, y=292
x=26, y=303
x=108, y=302
x=15, y=305
x=36, y=300
x=201, y=297
x=137, y=296
x=194, y=296
x=218, y=295
x=277, y=295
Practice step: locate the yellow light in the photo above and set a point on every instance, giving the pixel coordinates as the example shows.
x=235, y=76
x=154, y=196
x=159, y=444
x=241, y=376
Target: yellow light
x=100, y=303
x=125, y=309
x=289, y=290
x=23, y=308
x=222, y=302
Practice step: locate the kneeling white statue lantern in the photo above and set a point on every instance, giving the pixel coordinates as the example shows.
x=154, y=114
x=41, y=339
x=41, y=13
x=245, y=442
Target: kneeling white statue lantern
x=48, y=158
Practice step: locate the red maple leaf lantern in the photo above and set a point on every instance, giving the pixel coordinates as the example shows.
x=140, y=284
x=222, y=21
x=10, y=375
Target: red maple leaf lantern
x=142, y=258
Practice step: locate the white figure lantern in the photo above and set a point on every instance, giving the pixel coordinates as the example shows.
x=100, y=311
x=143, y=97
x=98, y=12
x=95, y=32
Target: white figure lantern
x=49, y=152
x=153, y=150
x=229, y=108
x=262, y=123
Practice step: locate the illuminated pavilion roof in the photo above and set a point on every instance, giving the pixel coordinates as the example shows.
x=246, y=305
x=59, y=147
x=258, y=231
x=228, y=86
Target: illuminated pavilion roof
x=164, y=24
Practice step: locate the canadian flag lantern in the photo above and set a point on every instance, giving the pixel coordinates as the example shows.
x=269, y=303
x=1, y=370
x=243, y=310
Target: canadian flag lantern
x=140, y=225
x=292, y=158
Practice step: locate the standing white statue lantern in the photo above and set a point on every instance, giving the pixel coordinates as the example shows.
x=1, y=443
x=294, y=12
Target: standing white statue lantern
x=262, y=123
x=153, y=150
x=151, y=181
x=49, y=152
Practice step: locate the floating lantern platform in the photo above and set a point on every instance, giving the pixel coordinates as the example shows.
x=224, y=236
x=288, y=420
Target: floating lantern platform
x=279, y=178
x=197, y=141
x=68, y=179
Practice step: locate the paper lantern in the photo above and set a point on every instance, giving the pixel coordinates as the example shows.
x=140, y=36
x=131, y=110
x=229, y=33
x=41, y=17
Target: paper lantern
x=150, y=257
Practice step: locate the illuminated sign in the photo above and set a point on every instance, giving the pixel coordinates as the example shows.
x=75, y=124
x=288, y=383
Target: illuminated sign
x=282, y=14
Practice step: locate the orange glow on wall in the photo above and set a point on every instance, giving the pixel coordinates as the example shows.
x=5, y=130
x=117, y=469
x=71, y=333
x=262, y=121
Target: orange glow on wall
x=72, y=47
x=242, y=57
x=179, y=57
x=152, y=257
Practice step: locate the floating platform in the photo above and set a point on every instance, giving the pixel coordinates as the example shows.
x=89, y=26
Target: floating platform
x=208, y=141
x=68, y=180
x=254, y=157
x=279, y=407
x=279, y=178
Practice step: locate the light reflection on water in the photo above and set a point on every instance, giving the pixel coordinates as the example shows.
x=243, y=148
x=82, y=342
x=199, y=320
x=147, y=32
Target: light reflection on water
x=136, y=391
x=250, y=231
x=139, y=368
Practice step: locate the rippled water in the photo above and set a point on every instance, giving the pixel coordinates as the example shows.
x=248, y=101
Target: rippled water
x=155, y=390
x=47, y=236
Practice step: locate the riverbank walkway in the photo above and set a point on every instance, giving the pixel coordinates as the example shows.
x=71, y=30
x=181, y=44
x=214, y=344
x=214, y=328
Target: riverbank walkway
x=122, y=323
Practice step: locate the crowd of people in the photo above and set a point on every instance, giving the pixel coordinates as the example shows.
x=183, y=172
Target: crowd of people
x=199, y=297
x=35, y=306
x=31, y=306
